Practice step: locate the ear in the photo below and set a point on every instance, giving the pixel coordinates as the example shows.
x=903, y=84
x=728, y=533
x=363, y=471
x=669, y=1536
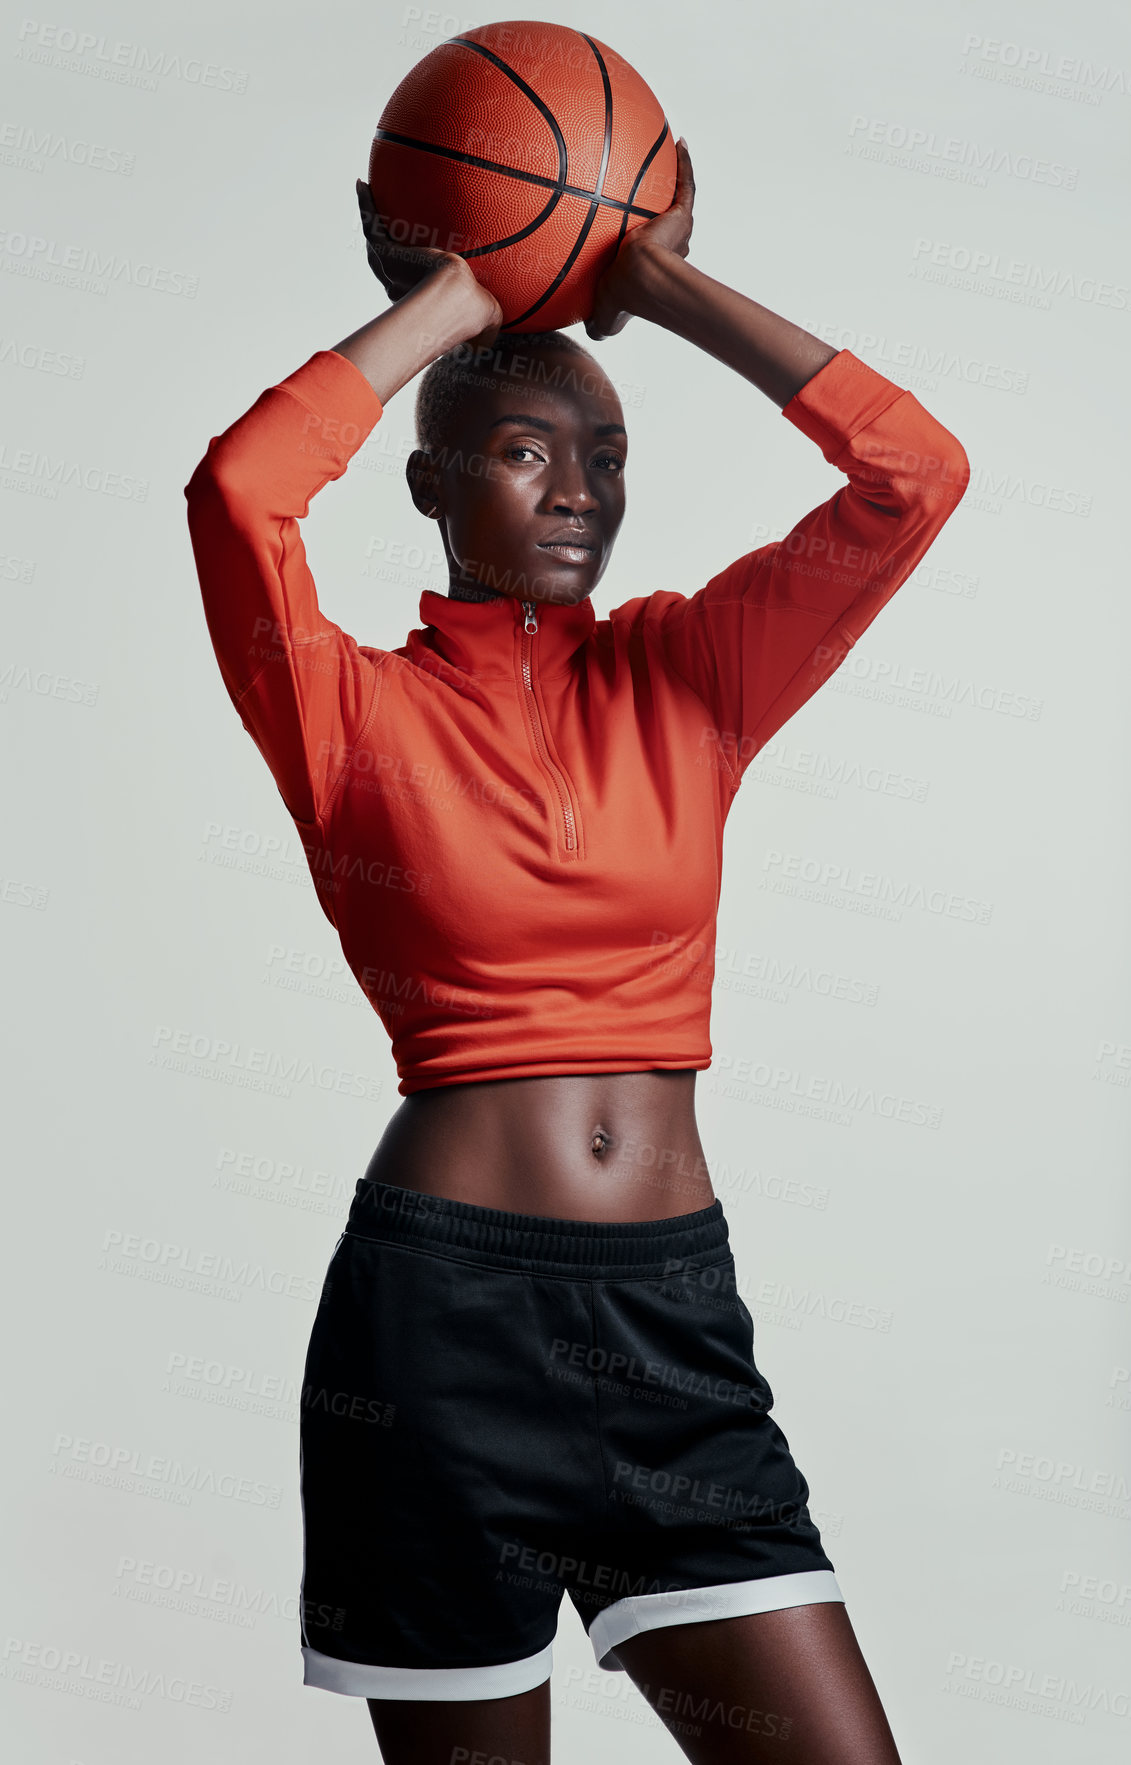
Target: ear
x=423, y=482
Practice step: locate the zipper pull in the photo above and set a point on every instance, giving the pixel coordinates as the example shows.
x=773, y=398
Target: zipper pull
x=531, y=616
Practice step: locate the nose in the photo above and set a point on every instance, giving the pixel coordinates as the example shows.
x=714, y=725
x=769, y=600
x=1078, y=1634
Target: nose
x=569, y=494
x=574, y=501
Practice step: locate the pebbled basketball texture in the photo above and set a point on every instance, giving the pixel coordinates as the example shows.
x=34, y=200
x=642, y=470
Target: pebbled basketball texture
x=530, y=149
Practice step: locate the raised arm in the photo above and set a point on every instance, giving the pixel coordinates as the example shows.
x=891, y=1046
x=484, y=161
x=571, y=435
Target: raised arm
x=759, y=639
x=302, y=686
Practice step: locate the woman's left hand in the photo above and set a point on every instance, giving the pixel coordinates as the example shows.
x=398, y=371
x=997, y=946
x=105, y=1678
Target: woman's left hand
x=613, y=302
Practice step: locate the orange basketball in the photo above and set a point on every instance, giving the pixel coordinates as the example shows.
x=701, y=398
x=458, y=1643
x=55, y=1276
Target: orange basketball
x=530, y=149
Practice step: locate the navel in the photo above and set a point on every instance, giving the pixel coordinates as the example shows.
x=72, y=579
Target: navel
x=600, y=1142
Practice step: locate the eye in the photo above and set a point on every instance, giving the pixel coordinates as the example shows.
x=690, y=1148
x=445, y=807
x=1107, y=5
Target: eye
x=524, y=447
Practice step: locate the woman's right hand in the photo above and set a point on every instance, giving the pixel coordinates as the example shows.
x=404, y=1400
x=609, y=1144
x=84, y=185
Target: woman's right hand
x=401, y=267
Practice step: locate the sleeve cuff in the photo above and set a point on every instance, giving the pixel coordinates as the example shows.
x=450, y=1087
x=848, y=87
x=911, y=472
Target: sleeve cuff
x=842, y=398
x=337, y=393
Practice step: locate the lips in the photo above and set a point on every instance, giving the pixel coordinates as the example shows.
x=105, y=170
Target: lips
x=571, y=547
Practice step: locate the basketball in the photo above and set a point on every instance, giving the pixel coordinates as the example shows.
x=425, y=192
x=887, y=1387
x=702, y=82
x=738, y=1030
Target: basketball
x=531, y=150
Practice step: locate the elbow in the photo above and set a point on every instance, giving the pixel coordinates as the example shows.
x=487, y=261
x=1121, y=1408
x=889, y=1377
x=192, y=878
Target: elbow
x=204, y=481
x=956, y=472
x=928, y=465
x=217, y=484
x=196, y=484
x=939, y=474
x=217, y=511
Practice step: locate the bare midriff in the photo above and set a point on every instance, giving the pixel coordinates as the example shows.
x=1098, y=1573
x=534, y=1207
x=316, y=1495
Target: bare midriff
x=600, y=1146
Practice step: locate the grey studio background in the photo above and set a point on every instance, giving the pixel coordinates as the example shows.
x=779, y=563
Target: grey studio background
x=939, y=1301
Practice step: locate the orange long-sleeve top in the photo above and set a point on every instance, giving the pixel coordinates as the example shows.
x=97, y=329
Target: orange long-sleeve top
x=515, y=820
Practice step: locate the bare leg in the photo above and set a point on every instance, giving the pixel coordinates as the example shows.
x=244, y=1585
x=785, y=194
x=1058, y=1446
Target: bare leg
x=789, y=1686
x=419, y=1732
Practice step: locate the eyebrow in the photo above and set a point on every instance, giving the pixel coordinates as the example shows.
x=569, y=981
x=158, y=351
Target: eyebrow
x=541, y=423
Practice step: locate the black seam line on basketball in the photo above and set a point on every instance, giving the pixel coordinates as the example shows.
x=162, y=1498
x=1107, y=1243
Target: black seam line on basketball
x=607, y=143
x=594, y=199
x=513, y=238
x=540, y=105
x=555, y=185
x=510, y=171
x=648, y=158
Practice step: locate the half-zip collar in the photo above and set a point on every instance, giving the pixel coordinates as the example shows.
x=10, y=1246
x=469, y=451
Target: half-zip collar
x=480, y=636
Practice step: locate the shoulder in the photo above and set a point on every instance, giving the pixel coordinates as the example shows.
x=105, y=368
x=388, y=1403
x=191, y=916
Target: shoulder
x=644, y=611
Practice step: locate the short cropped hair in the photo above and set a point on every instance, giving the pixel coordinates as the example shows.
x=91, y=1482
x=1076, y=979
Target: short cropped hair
x=455, y=377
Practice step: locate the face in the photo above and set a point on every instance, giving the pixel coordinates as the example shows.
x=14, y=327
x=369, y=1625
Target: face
x=536, y=459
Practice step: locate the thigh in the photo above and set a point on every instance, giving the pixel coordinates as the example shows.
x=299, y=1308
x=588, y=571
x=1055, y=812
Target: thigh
x=435, y=1457
x=790, y=1686
x=703, y=1488
x=518, y=1729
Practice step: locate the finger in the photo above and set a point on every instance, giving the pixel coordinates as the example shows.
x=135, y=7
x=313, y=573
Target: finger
x=684, y=177
x=377, y=227
x=380, y=234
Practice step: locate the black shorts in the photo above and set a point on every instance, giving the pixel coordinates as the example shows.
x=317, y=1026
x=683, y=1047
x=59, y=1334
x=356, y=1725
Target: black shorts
x=499, y=1408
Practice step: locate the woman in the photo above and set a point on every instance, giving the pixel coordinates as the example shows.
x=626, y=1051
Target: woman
x=530, y=1372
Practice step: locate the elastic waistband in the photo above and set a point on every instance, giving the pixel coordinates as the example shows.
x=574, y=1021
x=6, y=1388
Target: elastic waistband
x=605, y=1249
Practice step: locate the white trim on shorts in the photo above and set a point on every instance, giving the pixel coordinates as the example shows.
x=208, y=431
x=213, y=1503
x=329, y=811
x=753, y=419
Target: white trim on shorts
x=444, y=1684
x=690, y=1605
